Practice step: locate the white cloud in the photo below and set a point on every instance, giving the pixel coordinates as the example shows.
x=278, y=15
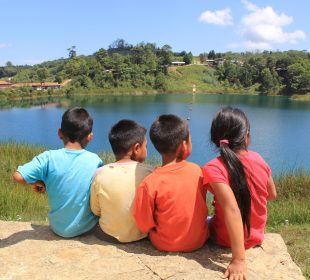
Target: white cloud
x=249, y=6
x=220, y=17
x=263, y=27
x=2, y=46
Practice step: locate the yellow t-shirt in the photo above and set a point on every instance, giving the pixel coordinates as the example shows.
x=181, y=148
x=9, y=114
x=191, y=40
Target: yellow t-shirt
x=112, y=193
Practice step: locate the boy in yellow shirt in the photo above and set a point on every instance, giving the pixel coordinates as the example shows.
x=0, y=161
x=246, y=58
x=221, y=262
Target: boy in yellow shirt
x=114, y=185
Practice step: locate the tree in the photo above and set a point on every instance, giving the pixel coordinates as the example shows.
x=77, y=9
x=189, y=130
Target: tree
x=188, y=58
x=298, y=75
x=268, y=82
x=161, y=82
x=166, y=55
x=42, y=74
x=203, y=57
x=101, y=55
x=76, y=66
x=211, y=54
x=120, y=44
x=72, y=52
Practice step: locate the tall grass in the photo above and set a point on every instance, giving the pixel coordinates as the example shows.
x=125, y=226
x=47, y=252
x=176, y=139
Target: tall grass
x=293, y=203
x=20, y=202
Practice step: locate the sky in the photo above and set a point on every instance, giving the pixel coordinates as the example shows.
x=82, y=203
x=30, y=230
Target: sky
x=33, y=31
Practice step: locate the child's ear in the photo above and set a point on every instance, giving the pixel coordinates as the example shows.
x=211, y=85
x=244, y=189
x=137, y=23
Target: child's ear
x=60, y=134
x=247, y=139
x=181, y=150
x=184, y=150
x=136, y=149
x=90, y=137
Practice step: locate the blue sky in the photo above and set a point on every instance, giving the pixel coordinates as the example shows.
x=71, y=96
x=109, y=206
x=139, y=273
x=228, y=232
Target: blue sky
x=32, y=31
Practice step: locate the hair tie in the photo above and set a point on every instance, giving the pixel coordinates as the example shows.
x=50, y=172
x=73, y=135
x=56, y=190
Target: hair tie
x=224, y=141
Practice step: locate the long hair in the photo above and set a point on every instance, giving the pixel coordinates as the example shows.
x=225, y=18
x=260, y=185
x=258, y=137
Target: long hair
x=229, y=131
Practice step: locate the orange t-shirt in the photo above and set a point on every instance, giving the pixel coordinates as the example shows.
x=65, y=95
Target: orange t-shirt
x=257, y=173
x=170, y=204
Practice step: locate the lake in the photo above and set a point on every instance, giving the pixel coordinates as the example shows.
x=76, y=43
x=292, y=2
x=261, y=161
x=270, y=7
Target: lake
x=280, y=127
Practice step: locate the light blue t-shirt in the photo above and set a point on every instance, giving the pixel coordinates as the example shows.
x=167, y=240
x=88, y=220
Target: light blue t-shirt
x=67, y=175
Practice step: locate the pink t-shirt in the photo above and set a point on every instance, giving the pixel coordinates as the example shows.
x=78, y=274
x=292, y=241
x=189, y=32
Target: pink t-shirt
x=258, y=173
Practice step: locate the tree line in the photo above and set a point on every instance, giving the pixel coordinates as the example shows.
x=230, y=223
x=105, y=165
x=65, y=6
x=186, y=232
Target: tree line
x=146, y=66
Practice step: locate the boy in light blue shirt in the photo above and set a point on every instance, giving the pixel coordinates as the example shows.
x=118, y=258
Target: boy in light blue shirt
x=66, y=174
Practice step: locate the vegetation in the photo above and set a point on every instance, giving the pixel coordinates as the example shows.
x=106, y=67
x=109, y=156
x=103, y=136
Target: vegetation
x=289, y=215
x=147, y=68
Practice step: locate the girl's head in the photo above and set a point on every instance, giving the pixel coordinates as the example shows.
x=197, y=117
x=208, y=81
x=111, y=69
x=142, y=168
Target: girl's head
x=230, y=132
x=231, y=124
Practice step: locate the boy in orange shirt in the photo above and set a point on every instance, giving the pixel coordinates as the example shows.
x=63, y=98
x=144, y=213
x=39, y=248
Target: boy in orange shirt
x=170, y=203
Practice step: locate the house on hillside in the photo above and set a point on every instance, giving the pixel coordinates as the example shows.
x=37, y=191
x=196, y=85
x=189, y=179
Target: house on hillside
x=5, y=84
x=215, y=62
x=39, y=86
x=177, y=63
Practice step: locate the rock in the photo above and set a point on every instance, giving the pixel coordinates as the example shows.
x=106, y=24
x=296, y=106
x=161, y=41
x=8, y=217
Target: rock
x=32, y=251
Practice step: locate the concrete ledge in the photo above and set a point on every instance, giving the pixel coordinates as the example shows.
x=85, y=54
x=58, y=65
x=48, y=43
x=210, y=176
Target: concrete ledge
x=32, y=251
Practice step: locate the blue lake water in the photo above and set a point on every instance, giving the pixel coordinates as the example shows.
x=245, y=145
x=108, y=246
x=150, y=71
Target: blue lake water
x=280, y=128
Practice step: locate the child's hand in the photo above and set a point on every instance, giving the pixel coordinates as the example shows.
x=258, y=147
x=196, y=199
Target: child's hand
x=236, y=270
x=39, y=187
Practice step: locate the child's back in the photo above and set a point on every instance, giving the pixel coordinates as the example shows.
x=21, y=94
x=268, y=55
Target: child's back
x=67, y=174
x=114, y=186
x=257, y=175
x=112, y=193
x=170, y=205
x=241, y=182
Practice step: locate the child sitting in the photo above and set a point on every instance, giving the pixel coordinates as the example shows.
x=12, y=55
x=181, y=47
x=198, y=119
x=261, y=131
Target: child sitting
x=114, y=186
x=170, y=203
x=66, y=174
x=241, y=182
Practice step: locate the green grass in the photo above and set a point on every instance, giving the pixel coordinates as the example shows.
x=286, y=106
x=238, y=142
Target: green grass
x=289, y=215
x=301, y=97
x=182, y=78
x=20, y=202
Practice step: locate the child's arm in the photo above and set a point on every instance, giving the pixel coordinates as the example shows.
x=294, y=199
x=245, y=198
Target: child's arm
x=37, y=186
x=18, y=178
x=94, y=201
x=233, y=221
x=143, y=209
x=271, y=189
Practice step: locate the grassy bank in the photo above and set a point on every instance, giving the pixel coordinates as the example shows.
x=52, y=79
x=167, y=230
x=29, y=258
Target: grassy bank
x=289, y=215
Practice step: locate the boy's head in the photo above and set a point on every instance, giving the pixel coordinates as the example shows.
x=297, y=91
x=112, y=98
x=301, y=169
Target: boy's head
x=76, y=126
x=127, y=139
x=170, y=136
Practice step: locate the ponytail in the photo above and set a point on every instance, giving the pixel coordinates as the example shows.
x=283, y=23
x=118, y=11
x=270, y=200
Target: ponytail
x=229, y=131
x=238, y=183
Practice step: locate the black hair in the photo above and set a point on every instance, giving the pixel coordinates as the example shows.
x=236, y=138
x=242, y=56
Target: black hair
x=168, y=132
x=124, y=134
x=76, y=124
x=232, y=124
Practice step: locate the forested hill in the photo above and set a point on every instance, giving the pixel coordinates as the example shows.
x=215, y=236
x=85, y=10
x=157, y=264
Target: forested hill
x=150, y=68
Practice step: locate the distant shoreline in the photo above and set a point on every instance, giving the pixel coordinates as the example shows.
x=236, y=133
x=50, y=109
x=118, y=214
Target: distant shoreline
x=136, y=92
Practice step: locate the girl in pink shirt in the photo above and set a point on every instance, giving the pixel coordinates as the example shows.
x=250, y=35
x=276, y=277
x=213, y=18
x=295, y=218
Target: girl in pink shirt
x=241, y=183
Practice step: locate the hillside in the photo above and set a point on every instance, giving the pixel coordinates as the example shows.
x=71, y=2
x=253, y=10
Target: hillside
x=148, y=68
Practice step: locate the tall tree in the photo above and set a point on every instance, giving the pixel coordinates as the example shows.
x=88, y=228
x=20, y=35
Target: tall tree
x=72, y=52
x=188, y=58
